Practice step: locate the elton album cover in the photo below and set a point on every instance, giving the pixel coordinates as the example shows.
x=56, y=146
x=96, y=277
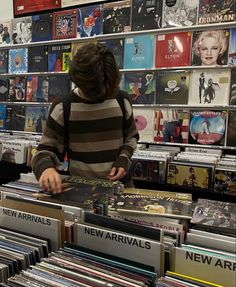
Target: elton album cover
x=64, y=24
x=42, y=27
x=22, y=7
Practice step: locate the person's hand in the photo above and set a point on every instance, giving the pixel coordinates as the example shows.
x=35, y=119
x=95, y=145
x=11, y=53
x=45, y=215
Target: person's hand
x=116, y=173
x=50, y=180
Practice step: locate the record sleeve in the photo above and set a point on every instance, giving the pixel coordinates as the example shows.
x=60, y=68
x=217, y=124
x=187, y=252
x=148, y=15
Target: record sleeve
x=22, y=30
x=42, y=27
x=209, y=87
x=3, y=61
x=232, y=97
x=21, y=7
x=179, y=13
x=15, y=120
x=232, y=47
x=37, y=89
x=116, y=17
x=59, y=57
x=207, y=127
x=5, y=32
x=144, y=120
x=17, y=86
x=4, y=82
x=18, y=61
x=59, y=86
x=225, y=181
x=2, y=117
x=64, y=24
x=38, y=59
x=145, y=170
x=231, y=129
x=140, y=86
x=35, y=119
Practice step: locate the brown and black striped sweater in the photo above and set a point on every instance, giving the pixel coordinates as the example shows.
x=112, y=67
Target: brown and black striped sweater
x=96, y=132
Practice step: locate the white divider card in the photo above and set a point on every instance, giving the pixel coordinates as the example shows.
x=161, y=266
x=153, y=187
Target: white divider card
x=32, y=224
x=217, y=269
x=123, y=245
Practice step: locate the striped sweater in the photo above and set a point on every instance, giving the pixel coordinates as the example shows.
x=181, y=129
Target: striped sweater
x=96, y=132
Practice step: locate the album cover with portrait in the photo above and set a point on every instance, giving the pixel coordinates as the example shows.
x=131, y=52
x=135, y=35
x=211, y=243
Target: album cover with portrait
x=141, y=87
x=37, y=89
x=38, y=59
x=3, y=61
x=207, y=127
x=144, y=120
x=231, y=129
x=22, y=7
x=64, y=24
x=225, y=181
x=90, y=21
x=35, y=119
x=117, y=47
x=2, y=117
x=173, y=50
x=146, y=14
x=59, y=57
x=171, y=125
x=3, y=88
x=209, y=87
x=59, y=86
x=22, y=30
x=17, y=86
x=117, y=17
x=15, y=118
x=210, y=47
x=211, y=11
x=232, y=47
x=232, y=97
x=5, y=32
x=172, y=87
x=179, y=13
x=42, y=27
x=18, y=61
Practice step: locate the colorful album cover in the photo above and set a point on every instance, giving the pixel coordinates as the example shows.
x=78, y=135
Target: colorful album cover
x=232, y=97
x=171, y=125
x=210, y=48
x=211, y=11
x=172, y=87
x=37, y=89
x=173, y=50
x=116, y=17
x=90, y=21
x=231, y=129
x=179, y=13
x=144, y=120
x=189, y=175
x=66, y=61
x=56, y=60
x=22, y=30
x=207, y=127
x=117, y=47
x=232, y=47
x=42, y=27
x=15, y=118
x=225, y=181
x=38, y=59
x=140, y=86
x=145, y=170
x=5, y=32
x=16, y=92
x=2, y=117
x=35, y=119
x=146, y=14
x=22, y=7
x=139, y=52
x=64, y=24
x=3, y=88
x=18, y=61
x=209, y=87
x=59, y=86
x=3, y=61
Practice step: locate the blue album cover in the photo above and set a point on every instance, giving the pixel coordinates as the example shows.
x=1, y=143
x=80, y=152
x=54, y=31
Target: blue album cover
x=139, y=52
x=2, y=117
x=18, y=61
x=42, y=27
x=35, y=119
x=90, y=21
x=232, y=47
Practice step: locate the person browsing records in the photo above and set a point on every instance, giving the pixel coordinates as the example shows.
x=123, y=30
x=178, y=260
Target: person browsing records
x=102, y=131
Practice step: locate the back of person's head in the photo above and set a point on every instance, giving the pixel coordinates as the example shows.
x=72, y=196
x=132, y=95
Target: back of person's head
x=94, y=71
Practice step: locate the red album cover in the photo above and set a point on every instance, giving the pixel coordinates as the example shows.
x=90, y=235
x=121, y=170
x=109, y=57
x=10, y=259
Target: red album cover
x=65, y=24
x=173, y=50
x=23, y=7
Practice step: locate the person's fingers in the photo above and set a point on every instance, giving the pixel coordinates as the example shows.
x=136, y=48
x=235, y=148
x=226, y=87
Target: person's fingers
x=113, y=171
x=119, y=174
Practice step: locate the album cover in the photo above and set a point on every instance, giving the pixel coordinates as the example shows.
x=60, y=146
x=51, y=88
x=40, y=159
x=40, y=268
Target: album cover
x=211, y=11
x=172, y=87
x=140, y=86
x=42, y=27
x=59, y=86
x=207, y=127
x=90, y=21
x=18, y=61
x=146, y=14
x=171, y=125
x=15, y=118
x=209, y=87
x=173, y=50
x=139, y=52
x=22, y=30
x=5, y=32
x=231, y=129
x=3, y=88
x=117, y=47
x=145, y=170
x=225, y=181
x=144, y=120
x=232, y=96
x=210, y=47
x=232, y=47
x=38, y=59
x=37, y=89
x=59, y=57
x=64, y=24
x=21, y=7
x=35, y=119
x=2, y=117
x=17, y=86
x=3, y=61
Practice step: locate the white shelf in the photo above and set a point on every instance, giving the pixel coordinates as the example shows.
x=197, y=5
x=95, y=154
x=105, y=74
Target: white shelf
x=164, y=106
